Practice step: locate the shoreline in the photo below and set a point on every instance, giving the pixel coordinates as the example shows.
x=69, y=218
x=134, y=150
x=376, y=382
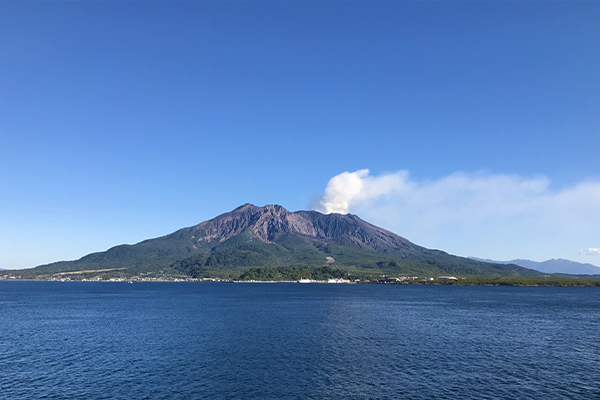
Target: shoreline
x=552, y=282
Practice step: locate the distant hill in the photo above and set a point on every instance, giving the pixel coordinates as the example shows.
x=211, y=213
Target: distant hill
x=271, y=236
x=553, y=266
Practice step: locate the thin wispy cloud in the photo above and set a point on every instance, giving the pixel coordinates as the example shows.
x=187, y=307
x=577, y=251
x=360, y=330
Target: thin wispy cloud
x=590, y=251
x=476, y=213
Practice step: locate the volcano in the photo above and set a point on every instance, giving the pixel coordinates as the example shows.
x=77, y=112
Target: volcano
x=271, y=236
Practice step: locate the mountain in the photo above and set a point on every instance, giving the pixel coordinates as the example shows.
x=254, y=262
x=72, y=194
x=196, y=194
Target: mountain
x=271, y=236
x=553, y=266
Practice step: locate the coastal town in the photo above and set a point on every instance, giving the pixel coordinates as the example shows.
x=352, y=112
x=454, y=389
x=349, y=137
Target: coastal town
x=97, y=276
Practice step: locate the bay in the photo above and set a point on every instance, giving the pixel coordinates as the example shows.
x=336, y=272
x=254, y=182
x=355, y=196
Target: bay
x=161, y=340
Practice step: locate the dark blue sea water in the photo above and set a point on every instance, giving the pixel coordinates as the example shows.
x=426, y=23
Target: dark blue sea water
x=83, y=340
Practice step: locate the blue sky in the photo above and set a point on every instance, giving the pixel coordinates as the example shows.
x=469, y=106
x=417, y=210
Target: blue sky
x=121, y=121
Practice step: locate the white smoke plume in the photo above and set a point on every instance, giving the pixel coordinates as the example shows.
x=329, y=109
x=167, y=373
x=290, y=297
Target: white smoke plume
x=350, y=188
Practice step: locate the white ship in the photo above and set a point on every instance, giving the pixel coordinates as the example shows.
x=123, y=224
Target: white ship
x=304, y=280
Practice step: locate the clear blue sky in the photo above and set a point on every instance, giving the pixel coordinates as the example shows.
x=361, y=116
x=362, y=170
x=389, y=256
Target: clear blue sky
x=121, y=121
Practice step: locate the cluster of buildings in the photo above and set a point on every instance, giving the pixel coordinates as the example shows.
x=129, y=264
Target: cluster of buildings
x=9, y=276
x=401, y=279
x=411, y=279
x=339, y=280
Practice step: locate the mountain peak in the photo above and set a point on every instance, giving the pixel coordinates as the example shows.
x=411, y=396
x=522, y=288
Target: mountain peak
x=247, y=206
x=272, y=221
x=252, y=208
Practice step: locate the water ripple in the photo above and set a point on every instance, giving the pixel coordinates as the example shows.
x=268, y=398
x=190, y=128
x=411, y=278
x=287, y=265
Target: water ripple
x=211, y=341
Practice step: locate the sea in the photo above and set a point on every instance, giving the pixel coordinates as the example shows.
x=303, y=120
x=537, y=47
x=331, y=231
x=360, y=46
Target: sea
x=202, y=340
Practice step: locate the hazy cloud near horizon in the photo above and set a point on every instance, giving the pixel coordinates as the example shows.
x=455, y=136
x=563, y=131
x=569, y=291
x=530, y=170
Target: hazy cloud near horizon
x=492, y=215
x=590, y=251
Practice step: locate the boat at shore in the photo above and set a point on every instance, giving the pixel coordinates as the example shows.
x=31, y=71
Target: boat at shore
x=303, y=280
